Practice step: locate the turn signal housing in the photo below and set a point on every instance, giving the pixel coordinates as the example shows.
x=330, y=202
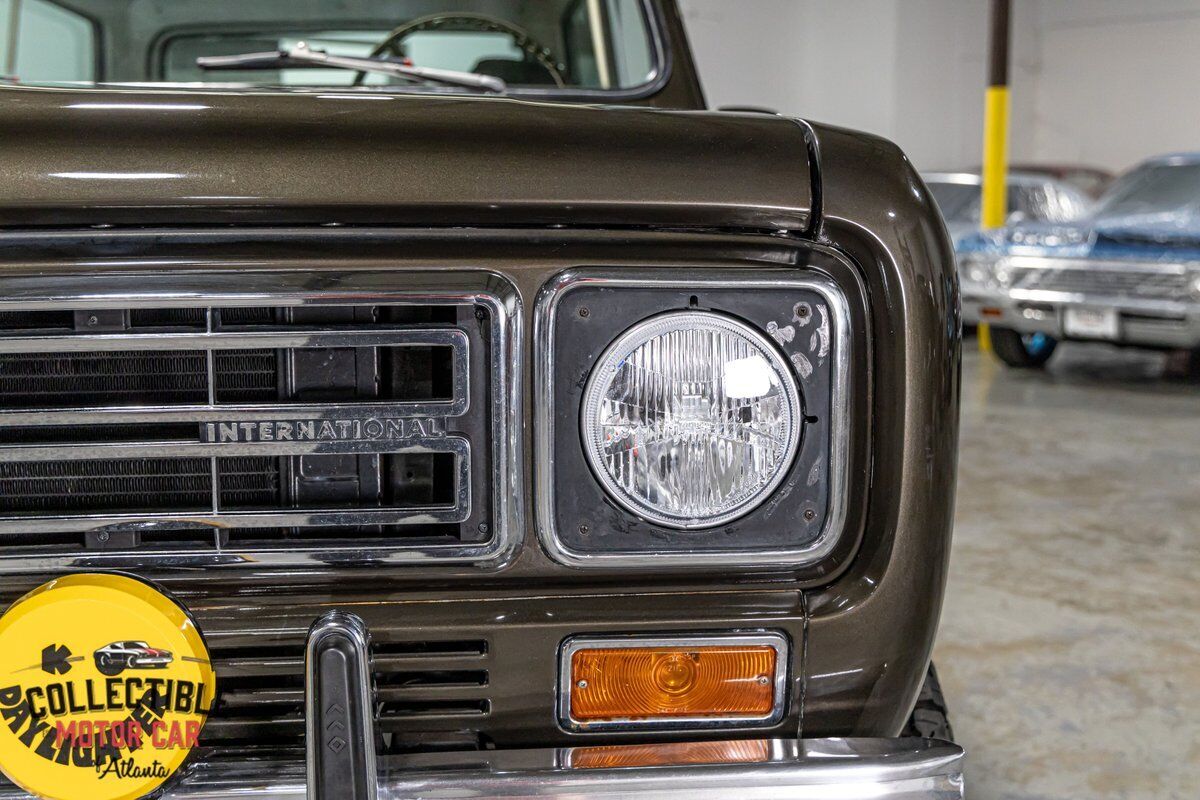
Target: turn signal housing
x=725, y=681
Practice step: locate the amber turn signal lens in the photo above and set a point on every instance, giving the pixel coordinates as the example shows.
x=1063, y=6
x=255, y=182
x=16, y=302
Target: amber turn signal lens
x=638, y=683
x=677, y=754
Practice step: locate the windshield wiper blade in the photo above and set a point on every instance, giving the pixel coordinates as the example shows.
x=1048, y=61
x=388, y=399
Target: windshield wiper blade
x=302, y=56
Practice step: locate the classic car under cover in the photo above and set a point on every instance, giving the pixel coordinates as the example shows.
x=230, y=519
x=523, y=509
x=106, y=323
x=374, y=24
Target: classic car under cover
x=1151, y=214
x=1126, y=238
x=1129, y=274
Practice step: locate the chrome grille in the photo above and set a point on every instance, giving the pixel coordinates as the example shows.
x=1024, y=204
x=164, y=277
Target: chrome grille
x=1103, y=279
x=343, y=425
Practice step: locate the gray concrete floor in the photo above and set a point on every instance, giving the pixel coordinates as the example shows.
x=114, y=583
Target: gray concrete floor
x=1070, y=640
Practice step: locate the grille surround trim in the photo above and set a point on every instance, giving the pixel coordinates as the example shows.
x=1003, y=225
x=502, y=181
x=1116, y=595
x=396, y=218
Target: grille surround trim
x=188, y=289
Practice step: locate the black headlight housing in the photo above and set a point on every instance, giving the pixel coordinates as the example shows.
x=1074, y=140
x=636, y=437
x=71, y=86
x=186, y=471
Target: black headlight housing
x=804, y=315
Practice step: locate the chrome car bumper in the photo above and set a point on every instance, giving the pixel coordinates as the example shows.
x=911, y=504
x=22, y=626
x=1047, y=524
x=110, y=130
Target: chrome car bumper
x=1146, y=323
x=812, y=769
x=151, y=662
x=848, y=769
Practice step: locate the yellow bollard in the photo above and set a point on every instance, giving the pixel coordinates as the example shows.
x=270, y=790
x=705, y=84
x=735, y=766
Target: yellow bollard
x=994, y=205
x=995, y=158
x=994, y=200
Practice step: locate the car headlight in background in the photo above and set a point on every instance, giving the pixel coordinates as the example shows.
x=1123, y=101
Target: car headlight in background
x=1001, y=274
x=691, y=419
x=975, y=271
x=984, y=271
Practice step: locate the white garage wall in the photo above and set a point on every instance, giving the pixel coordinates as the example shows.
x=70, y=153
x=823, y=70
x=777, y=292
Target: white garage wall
x=769, y=53
x=1117, y=80
x=1097, y=81
x=939, y=79
x=910, y=70
x=747, y=58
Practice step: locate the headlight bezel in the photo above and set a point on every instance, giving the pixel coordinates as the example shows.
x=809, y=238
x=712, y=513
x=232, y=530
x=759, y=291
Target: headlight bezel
x=580, y=313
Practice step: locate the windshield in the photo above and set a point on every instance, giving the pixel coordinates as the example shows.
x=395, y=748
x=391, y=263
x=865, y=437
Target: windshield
x=550, y=45
x=954, y=199
x=1163, y=190
x=1050, y=201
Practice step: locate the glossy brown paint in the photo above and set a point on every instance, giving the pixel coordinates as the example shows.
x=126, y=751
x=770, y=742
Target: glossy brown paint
x=871, y=632
x=72, y=157
x=526, y=191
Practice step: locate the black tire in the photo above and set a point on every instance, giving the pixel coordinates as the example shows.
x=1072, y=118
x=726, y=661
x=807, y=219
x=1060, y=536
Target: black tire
x=1192, y=365
x=930, y=718
x=109, y=667
x=1022, y=351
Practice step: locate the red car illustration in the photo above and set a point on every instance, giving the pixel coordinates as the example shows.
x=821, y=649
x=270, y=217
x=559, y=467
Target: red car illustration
x=115, y=658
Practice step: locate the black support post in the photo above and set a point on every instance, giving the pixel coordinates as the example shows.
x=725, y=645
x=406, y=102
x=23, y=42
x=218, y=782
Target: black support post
x=338, y=710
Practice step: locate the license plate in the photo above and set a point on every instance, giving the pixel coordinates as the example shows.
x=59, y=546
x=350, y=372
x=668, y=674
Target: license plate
x=1092, y=323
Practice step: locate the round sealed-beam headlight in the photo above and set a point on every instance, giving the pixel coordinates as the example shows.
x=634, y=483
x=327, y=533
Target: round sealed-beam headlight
x=691, y=419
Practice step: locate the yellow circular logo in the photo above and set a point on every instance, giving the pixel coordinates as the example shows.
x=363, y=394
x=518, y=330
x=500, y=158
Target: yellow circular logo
x=105, y=683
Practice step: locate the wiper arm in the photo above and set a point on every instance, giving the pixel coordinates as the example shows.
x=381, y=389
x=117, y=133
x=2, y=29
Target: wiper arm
x=302, y=56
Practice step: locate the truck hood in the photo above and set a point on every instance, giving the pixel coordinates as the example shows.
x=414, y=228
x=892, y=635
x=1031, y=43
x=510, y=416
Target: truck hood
x=87, y=156
x=1112, y=238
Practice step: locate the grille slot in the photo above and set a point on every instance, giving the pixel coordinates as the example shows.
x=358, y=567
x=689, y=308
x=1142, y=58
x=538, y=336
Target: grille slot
x=36, y=320
x=424, y=688
x=293, y=430
x=168, y=318
x=39, y=381
x=125, y=484
x=246, y=376
x=130, y=378
x=248, y=481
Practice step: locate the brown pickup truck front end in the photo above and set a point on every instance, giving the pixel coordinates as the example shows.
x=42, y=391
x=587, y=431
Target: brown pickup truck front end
x=326, y=368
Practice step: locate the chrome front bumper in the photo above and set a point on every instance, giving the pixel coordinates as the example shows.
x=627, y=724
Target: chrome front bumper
x=1145, y=323
x=815, y=769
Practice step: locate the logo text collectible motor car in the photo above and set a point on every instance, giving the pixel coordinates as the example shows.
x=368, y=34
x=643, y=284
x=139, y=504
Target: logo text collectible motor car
x=111, y=727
